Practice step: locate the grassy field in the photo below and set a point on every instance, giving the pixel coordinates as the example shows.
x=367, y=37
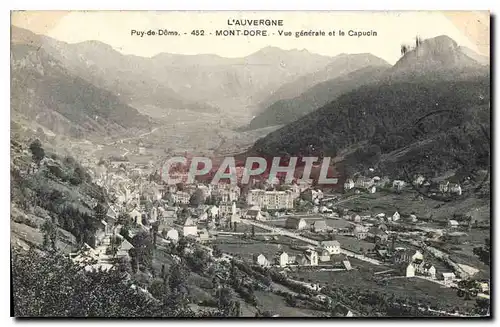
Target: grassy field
x=247, y=250
x=353, y=244
x=406, y=202
x=276, y=304
x=415, y=288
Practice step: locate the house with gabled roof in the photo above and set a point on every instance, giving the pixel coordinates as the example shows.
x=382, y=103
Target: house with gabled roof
x=190, y=227
x=260, y=260
x=296, y=223
x=333, y=247
x=319, y=226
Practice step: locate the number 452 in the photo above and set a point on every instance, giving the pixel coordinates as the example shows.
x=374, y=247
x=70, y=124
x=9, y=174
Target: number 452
x=198, y=32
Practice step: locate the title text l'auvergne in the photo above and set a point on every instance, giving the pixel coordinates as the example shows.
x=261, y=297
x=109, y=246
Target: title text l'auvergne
x=254, y=22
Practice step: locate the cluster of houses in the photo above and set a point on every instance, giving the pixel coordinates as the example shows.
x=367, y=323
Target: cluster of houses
x=328, y=253
x=109, y=247
x=370, y=184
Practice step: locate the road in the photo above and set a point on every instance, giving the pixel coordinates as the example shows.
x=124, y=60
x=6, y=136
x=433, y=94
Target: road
x=134, y=137
x=285, y=232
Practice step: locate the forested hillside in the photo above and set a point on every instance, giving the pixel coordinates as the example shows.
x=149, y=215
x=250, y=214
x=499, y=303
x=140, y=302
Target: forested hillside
x=392, y=116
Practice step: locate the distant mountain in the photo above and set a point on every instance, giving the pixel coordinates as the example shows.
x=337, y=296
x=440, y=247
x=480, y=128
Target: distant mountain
x=288, y=110
x=129, y=77
x=384, y=117
x=234, y=83
x=338, y=66
x=202, y=82
x=44, y=91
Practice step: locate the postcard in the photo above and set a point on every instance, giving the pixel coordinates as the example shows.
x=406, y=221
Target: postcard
x=201, y=164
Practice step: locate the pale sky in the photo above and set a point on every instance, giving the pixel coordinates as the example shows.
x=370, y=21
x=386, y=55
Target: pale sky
x=470, y=29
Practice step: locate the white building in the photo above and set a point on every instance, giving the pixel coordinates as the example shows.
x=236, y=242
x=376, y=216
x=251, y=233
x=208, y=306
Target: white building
x=410, y=270
x=296, y=223
x=260, y=260
x=398, y=185
x=213, y=211
x=190, y=228
x=333, y=247
x=173, y=235
x=349, y=184
x=181, y=197
x=448, y=278
x=309, y=258
x=455, y=189
x=136, y=216
x=396, y=216
x=270, y=199
x=282, y=259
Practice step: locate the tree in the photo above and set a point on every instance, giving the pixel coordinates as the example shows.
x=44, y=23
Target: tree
x=100, y=212
x=217, y=253
x=49, y=230
x=483, y=252
x=50, y=285
x=418, y=41
x=37, y=151
x=225, y=303
x=143, y=245
x=197, y=198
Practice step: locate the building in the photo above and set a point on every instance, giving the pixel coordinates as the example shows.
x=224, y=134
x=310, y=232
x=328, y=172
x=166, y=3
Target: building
x=360, y=232
x=296, y=223
x=311, y=195
x=407, y=256
x=348, y=185
x=213, y=211
x=425, y=269
x=324, y=255
x=271, y=200
x=340, y=261
x=190, y=228
x=123, y=249
x=333, y=247
x=448, y=277
x=363, y=182
x=455, y=189
x=204, y=236
x=419, y=180
x=396, y=216
x=413, y=218
x=443, y=186
x=341, y=311
x=410, y=270
x=260, y=260
x=453, y=223
x=319, y=226
x=398, y=185
x=308, y=258
x=226, y=193
x=136, y=216
x=181, y=197
x=377, y=235
x=355, y=218
x=282, y=259
x=173, y=235
x=254, y=213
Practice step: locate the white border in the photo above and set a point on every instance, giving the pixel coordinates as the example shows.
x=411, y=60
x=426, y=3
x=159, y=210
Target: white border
x=194, y=5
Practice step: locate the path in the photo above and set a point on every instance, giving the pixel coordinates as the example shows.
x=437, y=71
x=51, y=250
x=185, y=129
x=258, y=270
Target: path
x=294, y=235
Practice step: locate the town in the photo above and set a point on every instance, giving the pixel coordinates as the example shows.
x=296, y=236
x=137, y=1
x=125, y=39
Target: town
x=299, y=231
